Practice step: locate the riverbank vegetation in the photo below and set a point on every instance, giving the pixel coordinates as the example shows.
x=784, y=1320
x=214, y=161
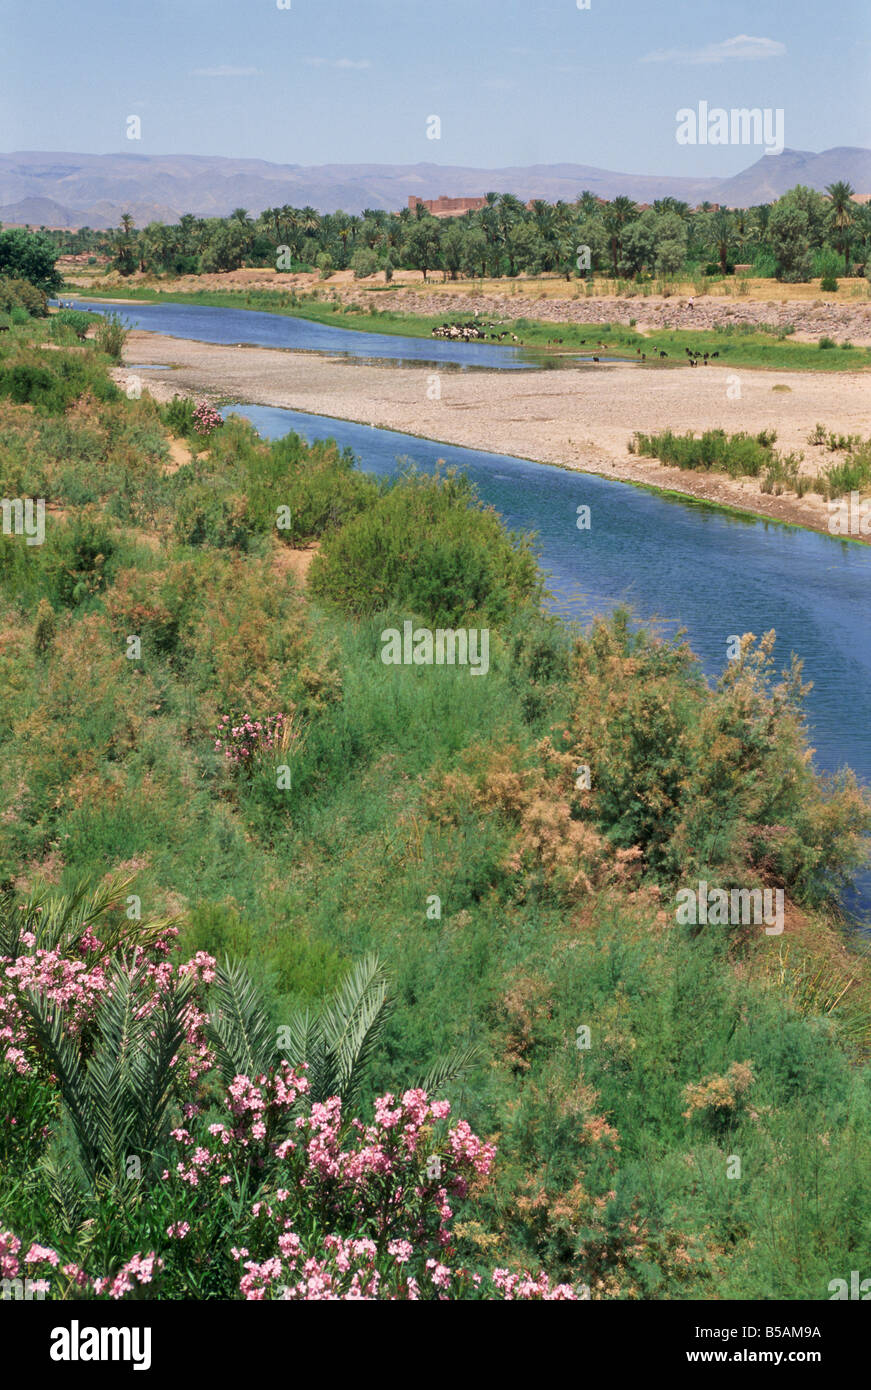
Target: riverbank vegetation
x=754, y=456
x=738, y=345
x=223, y=810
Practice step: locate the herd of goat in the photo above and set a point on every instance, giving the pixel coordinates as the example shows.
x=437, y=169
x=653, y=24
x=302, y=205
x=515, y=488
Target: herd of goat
x=471, y=332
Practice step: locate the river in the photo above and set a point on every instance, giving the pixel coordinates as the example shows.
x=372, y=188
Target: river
x=250, y=327
x=677, y=562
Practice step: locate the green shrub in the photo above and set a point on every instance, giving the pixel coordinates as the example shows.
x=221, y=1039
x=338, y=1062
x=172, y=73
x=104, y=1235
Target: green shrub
x=206, y=516
x=16, y=293
x=364, y=263
x=76, y=559
x=52, y=381
x=178, y=416
x=111, y=336
x=320, y=486
x=75, y=319
x=427, y=546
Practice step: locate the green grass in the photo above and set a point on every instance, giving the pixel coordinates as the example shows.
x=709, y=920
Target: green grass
x=742, y=455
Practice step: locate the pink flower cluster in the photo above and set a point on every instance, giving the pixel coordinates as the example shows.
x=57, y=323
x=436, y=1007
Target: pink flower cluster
x=206, y=418
x=342, y=1209
x=353, y=1269
x=523, y=1286
x=140, y=1267
x=76, y=987
x=240, y=742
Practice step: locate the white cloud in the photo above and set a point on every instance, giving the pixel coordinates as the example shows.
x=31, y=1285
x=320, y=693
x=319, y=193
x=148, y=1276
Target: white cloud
x=338, y=63
x=743, y=47
x=225, y=70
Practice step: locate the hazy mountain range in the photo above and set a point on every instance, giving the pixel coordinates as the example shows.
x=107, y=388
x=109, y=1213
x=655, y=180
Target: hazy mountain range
x=70, y=190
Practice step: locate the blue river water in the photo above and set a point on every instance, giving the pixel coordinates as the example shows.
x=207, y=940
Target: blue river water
x=677, y=563
x=250, y=327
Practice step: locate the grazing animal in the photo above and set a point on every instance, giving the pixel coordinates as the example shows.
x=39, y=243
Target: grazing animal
x=595, y=359
x=715, y=354
x=663, y=354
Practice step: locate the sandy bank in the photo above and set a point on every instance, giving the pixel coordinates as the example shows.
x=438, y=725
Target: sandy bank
x=579, y=418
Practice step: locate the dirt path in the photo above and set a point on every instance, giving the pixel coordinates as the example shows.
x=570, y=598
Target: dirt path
x=578, y=418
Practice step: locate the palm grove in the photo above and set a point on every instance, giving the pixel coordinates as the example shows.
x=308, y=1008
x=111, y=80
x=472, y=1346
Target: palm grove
x=803, y=235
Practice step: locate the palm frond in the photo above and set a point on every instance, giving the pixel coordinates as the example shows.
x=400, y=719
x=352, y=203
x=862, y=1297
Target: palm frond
x=63, y=1053
x=243, y=1039
x=64, y=1188
x=111, y=1095
x=354, y=1021
x=304, y=1043
x=152, y=1073
x=449, y=1068
x=57, y=919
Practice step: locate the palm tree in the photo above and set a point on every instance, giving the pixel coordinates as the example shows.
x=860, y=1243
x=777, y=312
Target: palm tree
x=311, y=220
x=723, y=234
x=336, y=1043
x=618, y=213
x=186, y=224
x=670, y=204
x=124, y=255
x=841, y=194
x=761, y=215
x=742, y=227
x=116, y=1085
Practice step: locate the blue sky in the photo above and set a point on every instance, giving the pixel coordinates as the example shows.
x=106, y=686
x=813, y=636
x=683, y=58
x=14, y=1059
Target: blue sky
x=353, y=81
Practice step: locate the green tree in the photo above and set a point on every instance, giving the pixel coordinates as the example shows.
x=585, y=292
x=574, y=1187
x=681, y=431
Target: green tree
x=453, y=247
x=788, y=235
x=125, y=253
x=364, y=263
x=618, y=214
x=29, y=256
x=722, y=236
x=841, y=194
x=422, y=244
x=671, y=243
x=225, y=248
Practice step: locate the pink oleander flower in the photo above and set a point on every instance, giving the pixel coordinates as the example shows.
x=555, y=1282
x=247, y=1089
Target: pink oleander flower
x=37, y=1253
